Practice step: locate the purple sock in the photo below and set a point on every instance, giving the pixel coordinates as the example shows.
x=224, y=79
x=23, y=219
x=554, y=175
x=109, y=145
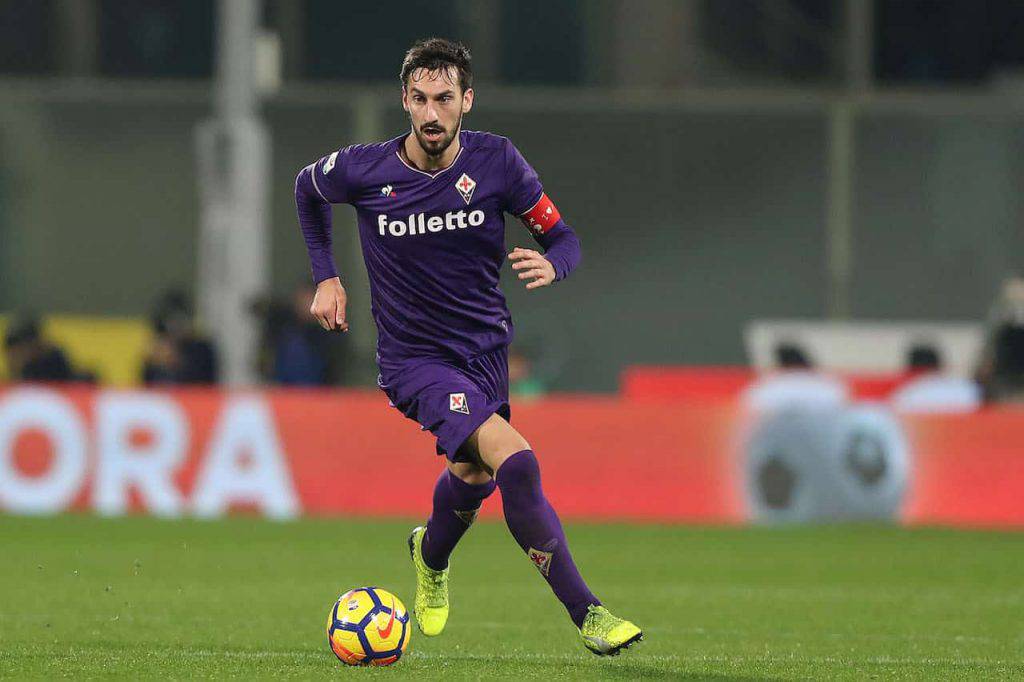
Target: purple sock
x=455, y=506
x=535, y=526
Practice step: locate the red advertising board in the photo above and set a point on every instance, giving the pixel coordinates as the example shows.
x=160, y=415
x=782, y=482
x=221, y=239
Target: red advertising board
x=284, y=453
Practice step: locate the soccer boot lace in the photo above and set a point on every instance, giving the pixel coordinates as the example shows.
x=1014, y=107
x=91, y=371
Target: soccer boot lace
x=430, y=607
x=607, y=635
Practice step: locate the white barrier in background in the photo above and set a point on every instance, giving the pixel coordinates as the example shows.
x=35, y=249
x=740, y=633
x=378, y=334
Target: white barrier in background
x=865, y=346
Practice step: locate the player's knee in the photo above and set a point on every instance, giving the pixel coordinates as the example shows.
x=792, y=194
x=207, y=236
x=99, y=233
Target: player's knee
x=496, y=440
x=516, y=442
x=470, y=473
x=503, y=437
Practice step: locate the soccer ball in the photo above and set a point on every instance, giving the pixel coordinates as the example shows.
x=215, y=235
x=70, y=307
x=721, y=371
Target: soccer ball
x=368, y=626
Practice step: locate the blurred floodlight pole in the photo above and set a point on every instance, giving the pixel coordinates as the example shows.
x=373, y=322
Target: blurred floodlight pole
x=858, y=67
x=859, y=46
x=362, y=334
x=840, y=208
x=479, y=21
x=233, y=174
x=77, y=28
x=656, y=43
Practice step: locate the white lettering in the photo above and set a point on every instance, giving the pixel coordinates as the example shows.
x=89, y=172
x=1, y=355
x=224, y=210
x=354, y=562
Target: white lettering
x=245, y=463
x=148, y=467
x=53, y=491
x=421, y=223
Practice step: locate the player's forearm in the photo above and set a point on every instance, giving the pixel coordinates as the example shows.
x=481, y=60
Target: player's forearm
x=315, y=221
x=561, y=248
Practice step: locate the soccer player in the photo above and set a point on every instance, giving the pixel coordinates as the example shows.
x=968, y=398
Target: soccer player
x=430, y=207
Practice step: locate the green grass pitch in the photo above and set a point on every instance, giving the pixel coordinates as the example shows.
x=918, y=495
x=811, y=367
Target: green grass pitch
x=142, y=598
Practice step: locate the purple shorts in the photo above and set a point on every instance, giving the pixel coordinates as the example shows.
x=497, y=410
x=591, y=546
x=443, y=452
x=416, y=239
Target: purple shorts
x=451, y=399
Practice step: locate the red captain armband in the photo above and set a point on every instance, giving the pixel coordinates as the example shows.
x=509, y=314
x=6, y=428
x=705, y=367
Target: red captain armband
x=542, y=217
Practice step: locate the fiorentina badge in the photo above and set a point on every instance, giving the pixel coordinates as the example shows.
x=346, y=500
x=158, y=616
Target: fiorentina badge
x=466, y=185
x=542, y=560
x=457, y=403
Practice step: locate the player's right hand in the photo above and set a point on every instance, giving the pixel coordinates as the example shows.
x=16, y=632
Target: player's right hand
x=329, y=305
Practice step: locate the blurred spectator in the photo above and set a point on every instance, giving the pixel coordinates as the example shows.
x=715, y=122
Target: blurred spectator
x=296, y=351
x=178, y=355
x=30, y=357
x=932, y=390
x=1001, y=371
x=523, y=381
x=796, y=384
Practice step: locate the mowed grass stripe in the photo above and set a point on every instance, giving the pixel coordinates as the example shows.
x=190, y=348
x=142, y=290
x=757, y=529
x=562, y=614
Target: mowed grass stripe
x=138, y=597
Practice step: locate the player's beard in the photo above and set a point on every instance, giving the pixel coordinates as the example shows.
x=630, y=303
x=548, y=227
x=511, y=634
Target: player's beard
x=436, y=149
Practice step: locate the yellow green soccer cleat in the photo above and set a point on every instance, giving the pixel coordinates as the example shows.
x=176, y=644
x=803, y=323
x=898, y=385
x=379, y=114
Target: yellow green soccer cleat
x=431, y=604
x=607, y=635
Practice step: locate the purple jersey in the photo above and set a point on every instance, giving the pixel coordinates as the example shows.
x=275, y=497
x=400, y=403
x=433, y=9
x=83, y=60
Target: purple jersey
x=433, y=243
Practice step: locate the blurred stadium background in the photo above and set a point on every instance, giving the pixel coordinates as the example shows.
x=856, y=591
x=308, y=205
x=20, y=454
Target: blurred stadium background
x=801, y=295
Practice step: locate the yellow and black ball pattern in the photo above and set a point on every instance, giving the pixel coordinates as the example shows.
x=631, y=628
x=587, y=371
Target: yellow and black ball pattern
x=368, y=626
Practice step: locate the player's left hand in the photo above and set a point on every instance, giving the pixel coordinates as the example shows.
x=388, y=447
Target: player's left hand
x=532, y=265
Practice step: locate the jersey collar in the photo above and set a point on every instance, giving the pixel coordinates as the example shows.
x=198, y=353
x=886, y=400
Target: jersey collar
x=398, y=153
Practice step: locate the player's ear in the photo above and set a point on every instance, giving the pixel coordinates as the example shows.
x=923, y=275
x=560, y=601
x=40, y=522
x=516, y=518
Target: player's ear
x=467, y=100
x=405, y=99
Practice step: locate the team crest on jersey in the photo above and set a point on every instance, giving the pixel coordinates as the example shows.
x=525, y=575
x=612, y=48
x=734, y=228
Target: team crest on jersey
x=329, y=163
x=542, y=560
x=457, y=403
x=467, y=517
x=466, y=185
x=387, y=190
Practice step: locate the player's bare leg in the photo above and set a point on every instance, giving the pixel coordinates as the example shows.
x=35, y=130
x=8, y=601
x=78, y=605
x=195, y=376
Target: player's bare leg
x=458, y=494
x=536, y=527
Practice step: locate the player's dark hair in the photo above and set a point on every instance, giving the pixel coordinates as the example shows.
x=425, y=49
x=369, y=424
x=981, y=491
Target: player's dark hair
x=438, y=54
